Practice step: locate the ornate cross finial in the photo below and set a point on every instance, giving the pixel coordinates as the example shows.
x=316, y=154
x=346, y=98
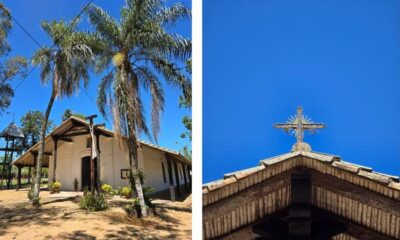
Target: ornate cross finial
x=298, y=125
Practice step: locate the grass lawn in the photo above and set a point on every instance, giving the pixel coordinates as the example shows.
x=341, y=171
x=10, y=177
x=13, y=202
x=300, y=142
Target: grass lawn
x=24, y=182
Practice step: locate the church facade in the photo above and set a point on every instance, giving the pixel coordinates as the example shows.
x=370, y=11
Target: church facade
x=68, y=150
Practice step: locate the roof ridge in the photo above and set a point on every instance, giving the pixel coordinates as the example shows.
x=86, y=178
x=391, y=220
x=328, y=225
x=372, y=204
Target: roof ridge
x=328, y=159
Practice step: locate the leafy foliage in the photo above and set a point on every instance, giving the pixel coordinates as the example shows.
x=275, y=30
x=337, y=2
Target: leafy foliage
x=126, y=192
x=31, y=123
x=69, y=113
x=9, y=67
x=55, y=187
x=186, y=151
x=147, y=192
x=93, y=202
x=106, y=189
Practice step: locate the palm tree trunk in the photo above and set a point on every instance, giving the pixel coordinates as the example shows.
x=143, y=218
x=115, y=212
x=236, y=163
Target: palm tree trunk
x=36, y=187
x=133, y=160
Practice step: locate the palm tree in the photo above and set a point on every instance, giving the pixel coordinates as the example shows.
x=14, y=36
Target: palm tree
x=138, y=52
x=65, y=65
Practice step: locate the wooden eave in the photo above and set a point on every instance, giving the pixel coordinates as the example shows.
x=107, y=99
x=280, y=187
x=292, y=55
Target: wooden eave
x=72, y=127
x=354, y=192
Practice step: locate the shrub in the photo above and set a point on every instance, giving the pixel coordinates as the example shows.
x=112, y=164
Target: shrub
x=106, y=189
x=76, y=184
x=56, y=186
x=35, y=201
x=147, y=191
x=93, y=202
x=133, y=207
x=126, y=192
x=114, y=192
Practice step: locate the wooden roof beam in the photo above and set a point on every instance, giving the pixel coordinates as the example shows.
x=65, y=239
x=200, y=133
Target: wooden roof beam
x=35, y=152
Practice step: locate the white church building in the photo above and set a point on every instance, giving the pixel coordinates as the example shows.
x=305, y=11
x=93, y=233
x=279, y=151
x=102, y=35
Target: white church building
x=68, y=150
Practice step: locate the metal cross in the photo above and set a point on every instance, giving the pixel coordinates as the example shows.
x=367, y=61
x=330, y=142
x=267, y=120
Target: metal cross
x=298, y=124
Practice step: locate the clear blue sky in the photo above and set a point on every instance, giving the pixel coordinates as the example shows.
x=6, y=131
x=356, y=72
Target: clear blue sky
x=33, y=96
x=339, y=59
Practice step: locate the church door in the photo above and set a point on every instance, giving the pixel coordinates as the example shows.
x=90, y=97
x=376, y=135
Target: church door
x=86, y=172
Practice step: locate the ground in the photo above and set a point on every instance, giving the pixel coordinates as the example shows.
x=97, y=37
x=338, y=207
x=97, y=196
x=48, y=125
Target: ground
x=59, y=217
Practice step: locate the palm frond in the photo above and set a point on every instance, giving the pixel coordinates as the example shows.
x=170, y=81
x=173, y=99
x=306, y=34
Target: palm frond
x=105, y=25
x=103, y=91
x=173, y=75
x=169, y=15
x=43, y=58
x=151, y=83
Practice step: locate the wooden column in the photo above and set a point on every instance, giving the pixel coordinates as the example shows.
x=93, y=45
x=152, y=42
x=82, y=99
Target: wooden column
x=9, y=177
x=29, y=174
x=171, y=180
x=178, y=184
x=54, y=178
x=189, y=176
x=184, y=177
x=3, y=174
x=19, y=177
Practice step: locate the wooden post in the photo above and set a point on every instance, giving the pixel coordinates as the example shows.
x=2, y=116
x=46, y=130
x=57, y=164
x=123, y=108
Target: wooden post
x=184, y=177
x=3, y=174
x=299, y=219
x=9, y=177
x=189, y=176
x=92, y=178
x=29, y=175
x=171, y=180
x=178, y=185
x=19, y=177
x=54, y=178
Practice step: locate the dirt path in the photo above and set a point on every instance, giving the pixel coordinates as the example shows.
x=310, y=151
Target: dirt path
x=62, y=219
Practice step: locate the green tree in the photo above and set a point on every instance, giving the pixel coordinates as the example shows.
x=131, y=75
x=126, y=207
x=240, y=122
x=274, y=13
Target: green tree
x=137, y=51
x=31, y=123
x=186, y=151
x=66, y=64
x=9, y=67
x=69, y=113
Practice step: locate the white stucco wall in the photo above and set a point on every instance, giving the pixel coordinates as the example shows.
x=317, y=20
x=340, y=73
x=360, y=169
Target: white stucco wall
x=113, y=158
x=153, y=169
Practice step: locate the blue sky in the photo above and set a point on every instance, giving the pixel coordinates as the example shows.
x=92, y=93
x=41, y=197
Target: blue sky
x=339, y=59
x=33, y=96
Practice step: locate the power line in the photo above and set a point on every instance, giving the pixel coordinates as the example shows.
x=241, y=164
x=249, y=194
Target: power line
x=91, y=98
x=20, y=25
x=30, y=36
x=34, y=40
